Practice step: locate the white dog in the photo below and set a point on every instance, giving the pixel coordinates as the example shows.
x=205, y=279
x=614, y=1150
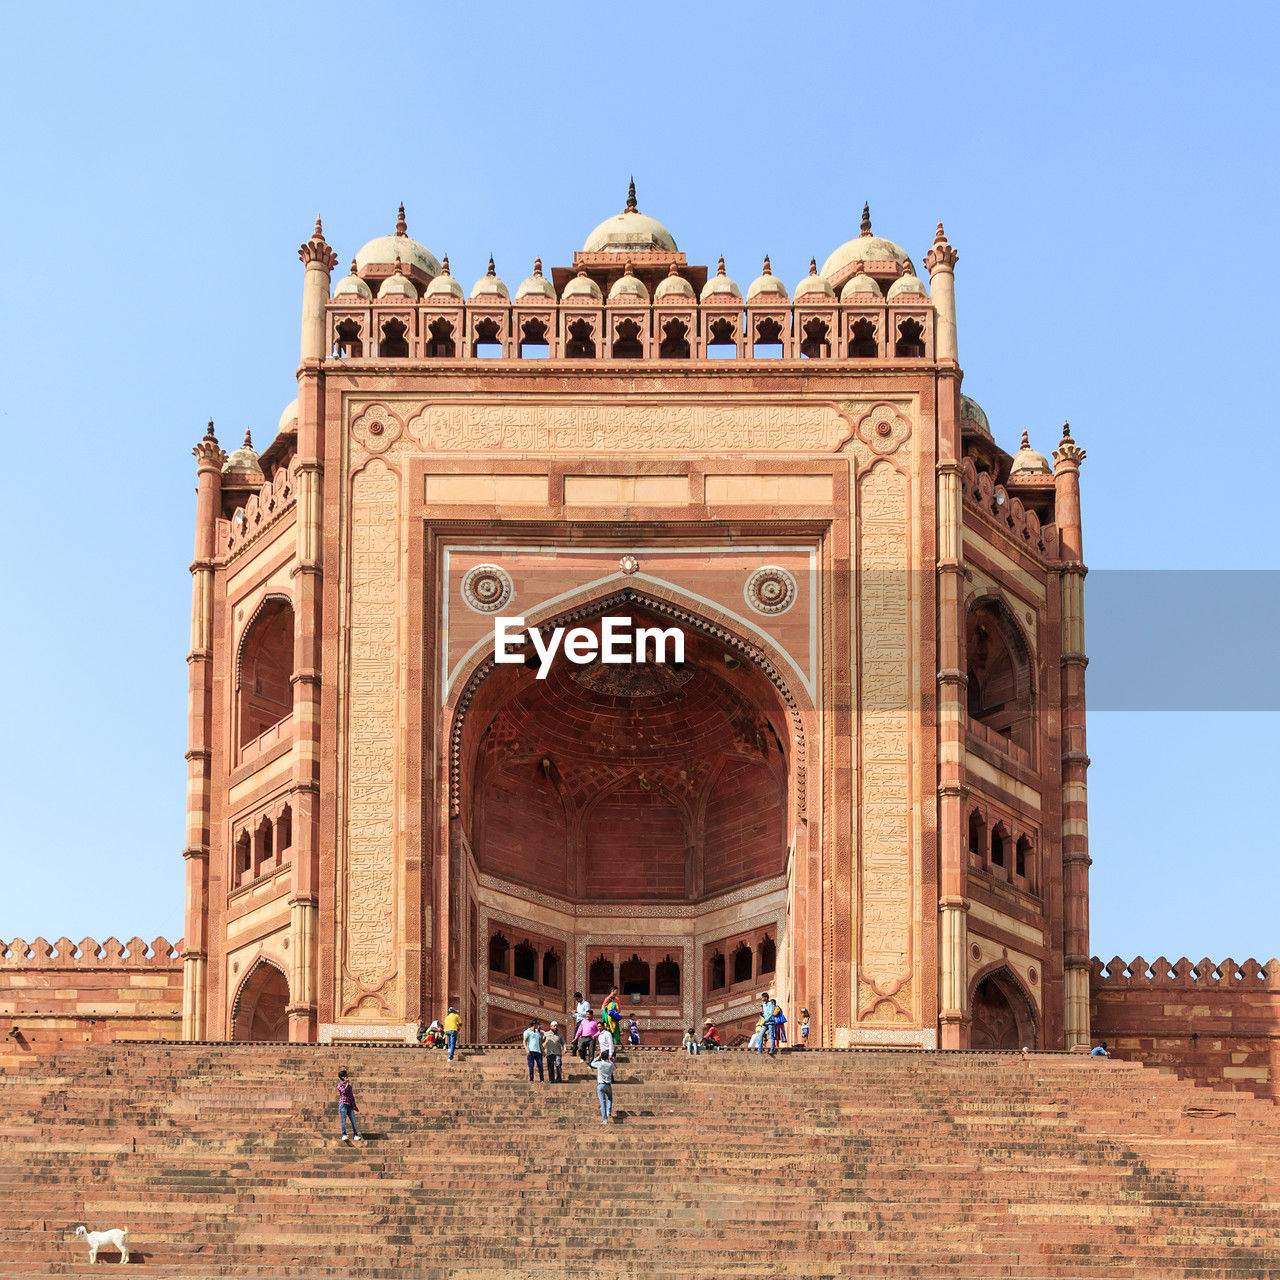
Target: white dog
x=113, y=1239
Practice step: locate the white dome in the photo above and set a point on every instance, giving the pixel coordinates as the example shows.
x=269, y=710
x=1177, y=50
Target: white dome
x=352, y=286
x=630, y=232
x=971, y=411
x=289, y=416
x=628, y=286
x=673, y=286
x=444, y=285
x=912, y=286
x=398, y=285
x=243, y=462
x=861, y=289
x=537, y=285
x=767, y=284
x=863, y=248
x=720, y=285
x=1027, y=462
x=813, y=284
x=583, y=288
x=383, y=251
x=489, y=286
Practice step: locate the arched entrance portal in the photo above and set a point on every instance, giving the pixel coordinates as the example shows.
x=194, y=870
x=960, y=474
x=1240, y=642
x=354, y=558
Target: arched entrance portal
x=261, y=1008
x=623, y=825
x=1002, y=1018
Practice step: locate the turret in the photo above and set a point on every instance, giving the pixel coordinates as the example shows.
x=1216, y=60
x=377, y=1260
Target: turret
x=319, y=261
x=941, y=261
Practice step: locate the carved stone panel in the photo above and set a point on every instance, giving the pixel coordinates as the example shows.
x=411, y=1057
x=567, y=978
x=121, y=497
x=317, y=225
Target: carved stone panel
x=369, y=889
x=886, y=890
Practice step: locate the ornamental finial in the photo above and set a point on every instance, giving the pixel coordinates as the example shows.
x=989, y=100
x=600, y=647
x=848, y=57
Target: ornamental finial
x=316, y=251
x=720, y=266
x=402, y=227
x=768, y=270
x=941, y=254
x=631, y=198
x=813, y=266
x=629, y=270
x=248, y=441
x=1067, y=451
x=353, y=267
x=492, y=271
x=318, y=233
x=1026, y=440
x=444, y=265
x=866, y=218
x=537, y=266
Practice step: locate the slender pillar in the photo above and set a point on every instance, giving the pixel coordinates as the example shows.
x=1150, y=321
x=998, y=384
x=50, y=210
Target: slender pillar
x=319, y=260
x=1075, y=762
x=953, y=900
x=195, y=950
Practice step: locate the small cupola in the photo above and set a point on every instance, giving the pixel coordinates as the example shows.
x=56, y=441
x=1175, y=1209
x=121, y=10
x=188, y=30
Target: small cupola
x=489, y=286
x=444, y=287
x=398, y=285
x=628, y=288
x=720, y=287
x=673, y=287
x=814, y=285
x=351, y=286
x=537, y=285
x=766, y=286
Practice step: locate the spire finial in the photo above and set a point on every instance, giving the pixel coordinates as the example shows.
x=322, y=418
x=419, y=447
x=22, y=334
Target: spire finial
x=671, y=271
x=353, y=267
x=939, y=236
x=1066, y=432
x=537, y=266
x=768, y=270
x=248, y=442
x=866, y=218
x=1026, y=440
x=399, y=268
x=631, y=197
x=629, y=270
x=318, y=233
x=444, y=265
x=813, y=266
x=720, y=266
x=402, y=227
x=208, y=433
x=492, y=271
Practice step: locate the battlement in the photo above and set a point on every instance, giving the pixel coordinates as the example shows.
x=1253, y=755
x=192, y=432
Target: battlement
x=1004, y=510
x=1249, y=975
x=265, y=508
x=160, y=953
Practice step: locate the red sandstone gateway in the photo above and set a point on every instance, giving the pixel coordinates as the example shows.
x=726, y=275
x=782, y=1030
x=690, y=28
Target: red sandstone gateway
x=861, y=783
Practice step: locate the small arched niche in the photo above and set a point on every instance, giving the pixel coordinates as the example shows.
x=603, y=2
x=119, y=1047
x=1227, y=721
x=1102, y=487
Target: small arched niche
x=265, y=691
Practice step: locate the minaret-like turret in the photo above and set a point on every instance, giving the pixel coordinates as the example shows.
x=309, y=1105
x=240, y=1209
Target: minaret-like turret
x=195, y=951
x=1075, y=761
x=320, y=261
x=941, y=261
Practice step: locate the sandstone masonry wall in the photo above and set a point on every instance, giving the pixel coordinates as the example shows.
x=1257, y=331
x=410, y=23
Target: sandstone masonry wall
x=1218, y=1024
x=68, y=993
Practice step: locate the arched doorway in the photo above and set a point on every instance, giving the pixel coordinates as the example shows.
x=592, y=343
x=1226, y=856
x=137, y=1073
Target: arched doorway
x=261, y=1008
x=643, y=812
x=1002, y=1017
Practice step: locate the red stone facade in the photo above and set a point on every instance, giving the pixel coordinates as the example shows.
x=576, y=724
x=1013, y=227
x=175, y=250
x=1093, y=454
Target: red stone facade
x=862, y=786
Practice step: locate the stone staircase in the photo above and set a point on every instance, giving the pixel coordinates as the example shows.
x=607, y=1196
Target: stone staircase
x=223, y=1160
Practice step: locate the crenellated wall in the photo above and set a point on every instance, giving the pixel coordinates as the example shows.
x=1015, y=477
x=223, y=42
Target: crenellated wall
x=1218, y=1024
x=65, y=993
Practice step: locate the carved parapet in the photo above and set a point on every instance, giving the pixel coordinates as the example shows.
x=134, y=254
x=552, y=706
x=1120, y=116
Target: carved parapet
x=996, y=505
x=264, y=508
x=1250, y=975
x=160, y=953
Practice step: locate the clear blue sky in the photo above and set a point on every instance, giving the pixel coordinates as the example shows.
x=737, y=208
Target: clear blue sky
x=1108, y=173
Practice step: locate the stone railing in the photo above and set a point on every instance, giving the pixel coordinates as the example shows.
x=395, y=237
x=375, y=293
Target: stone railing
x=1002, y=510
x=263, y=509
x=89, y=954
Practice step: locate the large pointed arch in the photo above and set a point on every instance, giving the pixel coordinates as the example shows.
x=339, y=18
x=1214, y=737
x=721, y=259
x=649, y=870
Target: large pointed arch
x=667, y=603
x=260, y=1009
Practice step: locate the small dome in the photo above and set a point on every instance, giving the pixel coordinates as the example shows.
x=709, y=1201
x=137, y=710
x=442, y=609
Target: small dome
x=972, y=415
x=861, y=289
x=352, y=286
x=767, y=285
x=814, y=284
x=489, y=286
x=537, y=285
x=444, y=286
x=289, y=418
x=583, y=289
x=628, y=286
x=243, y=462
x=1027, y=462
x=720, y=285
x=672, y=287
x=383, y=251
x=630, y=232
x=863, y=248
x=908, y=286
x=398, y=285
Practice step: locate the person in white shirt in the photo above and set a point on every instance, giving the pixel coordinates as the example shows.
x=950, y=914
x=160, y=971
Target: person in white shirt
x=604, y=1085
x=605, y=1042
